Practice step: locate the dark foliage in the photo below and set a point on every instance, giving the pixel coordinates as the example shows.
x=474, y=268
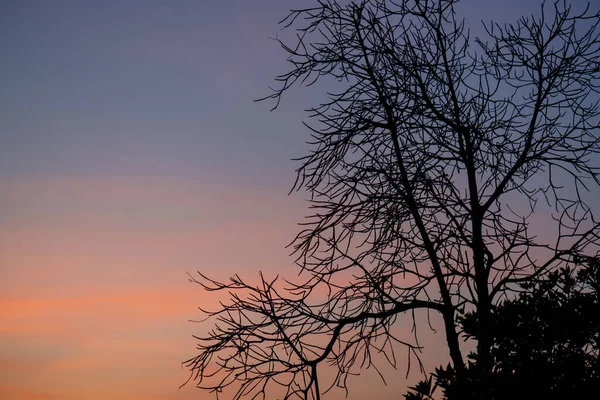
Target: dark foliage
x=546, y=342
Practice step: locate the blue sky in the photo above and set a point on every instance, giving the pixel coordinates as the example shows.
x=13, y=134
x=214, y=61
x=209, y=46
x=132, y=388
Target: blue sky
x=153, y=87
x=141, y=87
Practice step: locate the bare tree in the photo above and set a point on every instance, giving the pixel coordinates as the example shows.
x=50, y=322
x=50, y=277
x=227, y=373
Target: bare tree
x=428, y=164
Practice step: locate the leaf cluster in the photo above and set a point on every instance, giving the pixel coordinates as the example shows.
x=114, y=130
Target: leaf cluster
x=546, y=342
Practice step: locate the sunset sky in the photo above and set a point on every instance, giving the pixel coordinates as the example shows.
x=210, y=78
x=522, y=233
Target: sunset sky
x=131, y=152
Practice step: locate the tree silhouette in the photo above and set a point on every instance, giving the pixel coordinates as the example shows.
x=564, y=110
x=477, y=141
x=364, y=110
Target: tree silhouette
x=444, y=171
x=546, y=341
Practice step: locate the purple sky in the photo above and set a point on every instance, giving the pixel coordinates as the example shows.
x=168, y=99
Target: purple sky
x=153, y=88
x=143, y=88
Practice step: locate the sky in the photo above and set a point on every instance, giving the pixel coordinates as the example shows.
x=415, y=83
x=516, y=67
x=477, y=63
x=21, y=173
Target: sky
x=132, y=153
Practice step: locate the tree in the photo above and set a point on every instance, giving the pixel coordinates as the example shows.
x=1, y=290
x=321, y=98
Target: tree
x=430, y=161
x=545, y=341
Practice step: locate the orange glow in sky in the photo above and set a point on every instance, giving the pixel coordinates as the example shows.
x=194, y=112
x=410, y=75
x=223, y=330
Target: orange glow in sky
x=95, y=301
